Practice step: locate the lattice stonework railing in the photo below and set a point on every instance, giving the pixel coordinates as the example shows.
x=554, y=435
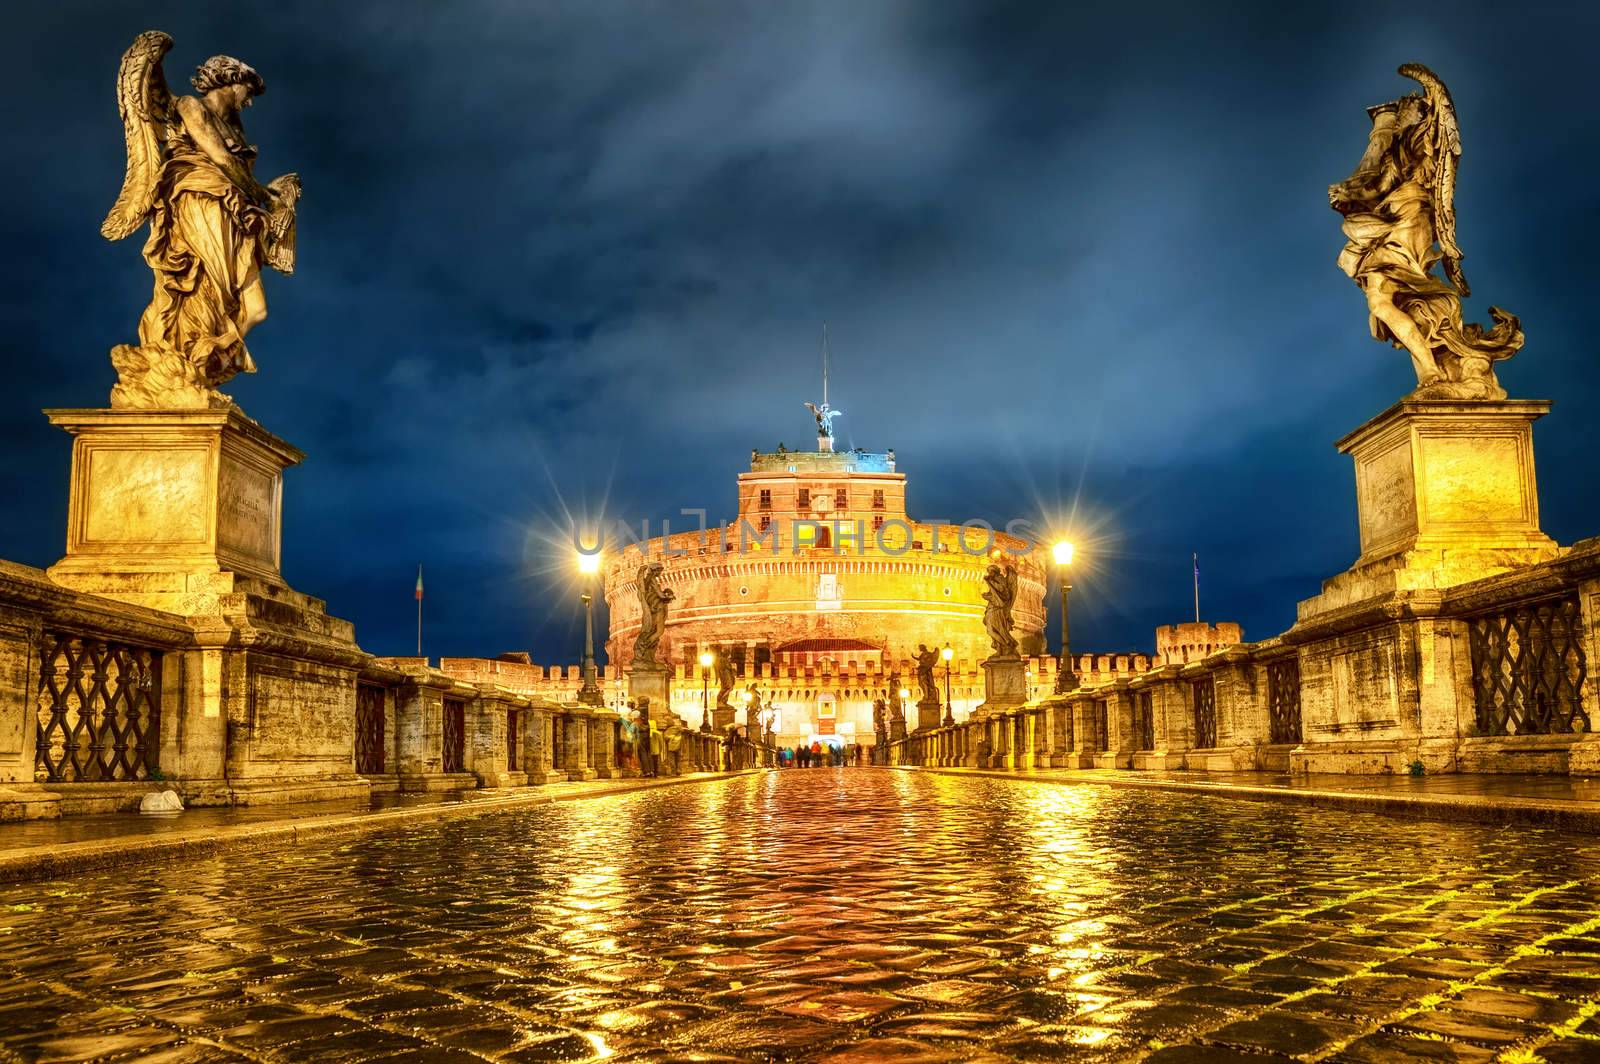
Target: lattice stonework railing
x=1205, y=713
x=454, y=755
x=98, y=711
x=369, y=730
x=1283, y=700
x=1528, y=669
x=1144, y=719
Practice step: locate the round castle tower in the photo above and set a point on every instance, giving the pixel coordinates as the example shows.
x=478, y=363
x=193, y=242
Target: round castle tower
x=822, y=565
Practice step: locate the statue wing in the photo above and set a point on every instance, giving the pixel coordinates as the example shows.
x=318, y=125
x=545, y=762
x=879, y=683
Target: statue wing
x=1447, y=151
x=145, y=104
x=813, y=408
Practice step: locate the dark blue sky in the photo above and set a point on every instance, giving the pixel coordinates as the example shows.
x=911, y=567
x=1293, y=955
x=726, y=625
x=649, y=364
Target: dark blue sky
x=559, y=256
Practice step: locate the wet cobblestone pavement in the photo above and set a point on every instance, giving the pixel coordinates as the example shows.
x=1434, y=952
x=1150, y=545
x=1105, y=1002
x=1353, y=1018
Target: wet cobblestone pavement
x=850, y=915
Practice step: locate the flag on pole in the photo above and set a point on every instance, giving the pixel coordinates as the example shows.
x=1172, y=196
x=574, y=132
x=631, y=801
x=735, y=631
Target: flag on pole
x=1196, y=588
x=419, y=583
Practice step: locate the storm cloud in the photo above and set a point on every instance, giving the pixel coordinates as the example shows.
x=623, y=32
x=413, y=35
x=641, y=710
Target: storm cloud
x=559, y=260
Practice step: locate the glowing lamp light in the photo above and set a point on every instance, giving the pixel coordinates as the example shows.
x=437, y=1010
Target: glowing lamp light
x=1062, y=552
x=947, y=653
x=706, y=659
x=588, y=562
x=905, y=693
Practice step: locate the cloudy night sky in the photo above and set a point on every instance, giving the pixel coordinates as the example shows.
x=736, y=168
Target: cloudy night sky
x=565, y=259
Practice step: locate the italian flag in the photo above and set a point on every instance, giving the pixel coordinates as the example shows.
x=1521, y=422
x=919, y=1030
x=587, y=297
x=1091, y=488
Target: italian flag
x=419, y=583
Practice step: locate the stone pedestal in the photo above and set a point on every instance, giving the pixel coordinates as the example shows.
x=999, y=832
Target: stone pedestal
x=181, y=511
x=167, y=508
x=928, y=713
x=1445, y=493
x=897, y=728
x=1005, y=685
x=655, y=683
x=721, y=718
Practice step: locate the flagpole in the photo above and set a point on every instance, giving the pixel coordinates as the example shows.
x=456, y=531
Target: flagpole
x=1196, y=557
x=419, y=611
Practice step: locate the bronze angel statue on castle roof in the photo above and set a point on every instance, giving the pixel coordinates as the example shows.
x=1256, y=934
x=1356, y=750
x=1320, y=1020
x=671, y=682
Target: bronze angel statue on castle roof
x=1400, y=221
x=213, y=226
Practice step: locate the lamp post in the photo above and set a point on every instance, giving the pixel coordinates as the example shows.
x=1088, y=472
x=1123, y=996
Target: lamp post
x=1066, y=679
x=589, y=694
x=949, y=710
x=705, y=690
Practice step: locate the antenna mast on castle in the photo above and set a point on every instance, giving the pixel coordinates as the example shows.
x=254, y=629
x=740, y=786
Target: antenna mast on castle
x=824, y=413
x=824, y=364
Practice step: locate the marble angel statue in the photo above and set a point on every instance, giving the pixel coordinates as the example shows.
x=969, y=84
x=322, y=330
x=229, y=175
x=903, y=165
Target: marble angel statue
x=1400, y=222
x=213, y=227
x=725, y=679
x=653, y=602
x=999, y=593
x=927, y=658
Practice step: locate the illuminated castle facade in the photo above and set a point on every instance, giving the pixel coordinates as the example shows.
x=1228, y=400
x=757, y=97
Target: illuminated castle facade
x=823, y=572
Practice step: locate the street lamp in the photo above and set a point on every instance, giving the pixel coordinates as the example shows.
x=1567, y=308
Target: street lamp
x=1066, y=679
x=949, y=710
x=589, y=694
x=705, y=690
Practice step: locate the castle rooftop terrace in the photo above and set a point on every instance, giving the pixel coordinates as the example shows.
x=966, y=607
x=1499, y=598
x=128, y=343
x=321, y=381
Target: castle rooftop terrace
x=821, y=462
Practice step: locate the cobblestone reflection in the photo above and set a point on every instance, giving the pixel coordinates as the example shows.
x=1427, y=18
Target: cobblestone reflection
x=852, y=914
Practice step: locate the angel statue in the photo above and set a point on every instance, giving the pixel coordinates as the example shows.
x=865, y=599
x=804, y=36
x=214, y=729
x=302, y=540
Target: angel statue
x=725, y=680
x=896, y=708
x=926, y=659
x=824, y=415
x=213, y=226
x=752, y=712
x=653, y=602
x=999, y=592
x=1399, y=219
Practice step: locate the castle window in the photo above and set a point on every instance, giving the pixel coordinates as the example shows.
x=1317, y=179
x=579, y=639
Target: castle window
x=765, y=522
x=803, y=500
x=766, y=499
x=877, y=500
x=840, y=500
x=877, y=521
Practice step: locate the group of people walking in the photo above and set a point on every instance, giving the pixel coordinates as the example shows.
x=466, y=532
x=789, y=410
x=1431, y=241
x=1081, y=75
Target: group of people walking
x=822, y=755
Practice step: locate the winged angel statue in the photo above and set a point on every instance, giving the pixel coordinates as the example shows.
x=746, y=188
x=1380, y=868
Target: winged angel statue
x=824, y=415
x=999, y=595
x=212, y=227
x=1400, y=220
